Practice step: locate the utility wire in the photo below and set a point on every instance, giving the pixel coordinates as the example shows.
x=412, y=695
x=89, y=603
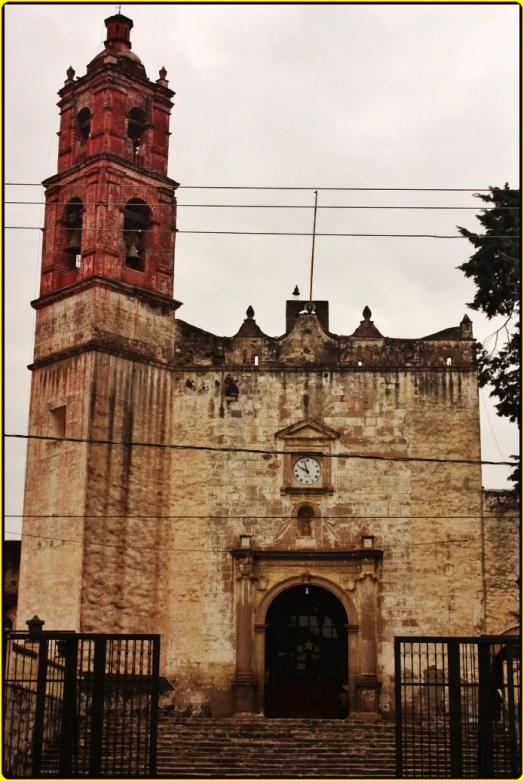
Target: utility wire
x=217, y=550
x=280, y=233
x=254, y=450
x=489, y=423
x=59, y=516
x=264, y=187
x=261, y=206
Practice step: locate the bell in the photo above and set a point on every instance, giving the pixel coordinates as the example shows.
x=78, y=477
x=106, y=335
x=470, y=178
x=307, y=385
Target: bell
x=74, y=245
x=132, y=252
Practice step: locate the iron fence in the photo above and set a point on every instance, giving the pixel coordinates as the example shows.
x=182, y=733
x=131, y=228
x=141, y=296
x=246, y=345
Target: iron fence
x=457, y=707
x=79, y=705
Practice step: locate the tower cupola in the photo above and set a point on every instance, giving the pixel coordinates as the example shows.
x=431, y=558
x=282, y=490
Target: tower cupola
x=117, y=47
x=118, y=30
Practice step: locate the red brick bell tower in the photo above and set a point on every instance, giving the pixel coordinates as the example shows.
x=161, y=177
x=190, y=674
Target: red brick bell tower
x=104, y=342
x=111, y=208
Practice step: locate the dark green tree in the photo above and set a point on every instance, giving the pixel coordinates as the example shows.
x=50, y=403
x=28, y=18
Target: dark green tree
x=495, y=269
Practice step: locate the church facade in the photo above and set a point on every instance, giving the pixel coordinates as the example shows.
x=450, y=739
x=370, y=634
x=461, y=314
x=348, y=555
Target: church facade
x=277, y=508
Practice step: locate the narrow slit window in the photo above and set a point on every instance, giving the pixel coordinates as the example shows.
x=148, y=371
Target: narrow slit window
x=58, y=422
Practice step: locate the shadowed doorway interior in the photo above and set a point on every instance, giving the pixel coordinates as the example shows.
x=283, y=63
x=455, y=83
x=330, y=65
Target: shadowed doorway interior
x=306, y=655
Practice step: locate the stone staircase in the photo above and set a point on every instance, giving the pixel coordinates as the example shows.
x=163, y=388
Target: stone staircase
x=275, y=748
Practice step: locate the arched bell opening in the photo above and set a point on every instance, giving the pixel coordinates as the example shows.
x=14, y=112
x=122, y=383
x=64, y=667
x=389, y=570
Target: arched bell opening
x=137, y=217
x=83, y=133
x=83, y=123
x=306, y=655
x=136, y=126
x=70, y=241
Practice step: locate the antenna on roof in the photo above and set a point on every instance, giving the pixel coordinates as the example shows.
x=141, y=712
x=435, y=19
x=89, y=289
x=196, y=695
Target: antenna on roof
x=313, y=247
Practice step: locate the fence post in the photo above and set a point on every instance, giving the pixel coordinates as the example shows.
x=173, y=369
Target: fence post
x=485, y=754
x=69, y=735
x=97, y=707
x=455, y=709
x=153, y=726
x=6, y=649
x=41, y=685
x=398, y=710
x=512, y=711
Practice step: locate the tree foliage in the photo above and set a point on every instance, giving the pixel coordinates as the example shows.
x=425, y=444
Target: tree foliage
x=495, y=269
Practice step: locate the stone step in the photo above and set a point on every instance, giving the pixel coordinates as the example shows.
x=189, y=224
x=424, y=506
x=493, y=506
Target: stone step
x=276, y=748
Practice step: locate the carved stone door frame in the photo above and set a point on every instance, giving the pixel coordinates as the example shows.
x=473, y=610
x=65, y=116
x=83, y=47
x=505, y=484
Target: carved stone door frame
x=357, y=571
x=260, y=627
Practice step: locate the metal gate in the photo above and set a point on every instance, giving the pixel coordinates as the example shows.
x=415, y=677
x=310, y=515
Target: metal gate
x=80, y=705
x=457, y=707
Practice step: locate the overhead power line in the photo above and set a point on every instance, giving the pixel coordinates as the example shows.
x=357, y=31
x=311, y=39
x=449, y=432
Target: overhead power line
x=192, y=516
x=264, y=206
x=282, y=233
x=256, y=451
x=125, y=545
x=279, y=187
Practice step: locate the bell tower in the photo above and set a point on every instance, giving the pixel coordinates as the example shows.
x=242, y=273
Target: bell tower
x=104, y=323
x=111, y=208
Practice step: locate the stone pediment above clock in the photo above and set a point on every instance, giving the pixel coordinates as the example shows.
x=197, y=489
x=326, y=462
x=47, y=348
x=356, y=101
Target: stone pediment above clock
x=306, y=463
x=306, y=430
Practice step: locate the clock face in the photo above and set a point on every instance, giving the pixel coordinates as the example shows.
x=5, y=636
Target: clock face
x=307, y=470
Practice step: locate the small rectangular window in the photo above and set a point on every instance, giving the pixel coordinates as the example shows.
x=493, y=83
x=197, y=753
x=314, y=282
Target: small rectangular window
x=58, y=421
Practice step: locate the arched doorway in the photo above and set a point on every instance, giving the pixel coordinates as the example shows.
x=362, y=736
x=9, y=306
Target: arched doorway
x=306, y=655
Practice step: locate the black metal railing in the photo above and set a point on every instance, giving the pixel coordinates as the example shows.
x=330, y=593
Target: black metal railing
x=457, y=707
x=80, y=705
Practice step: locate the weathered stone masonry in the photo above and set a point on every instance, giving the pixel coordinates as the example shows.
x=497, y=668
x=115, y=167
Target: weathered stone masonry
x=196, y=544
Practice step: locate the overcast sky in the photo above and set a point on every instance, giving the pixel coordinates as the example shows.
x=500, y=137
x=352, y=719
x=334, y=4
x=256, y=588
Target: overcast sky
x=376, y=96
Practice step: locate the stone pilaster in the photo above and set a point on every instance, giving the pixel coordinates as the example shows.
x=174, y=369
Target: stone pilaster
x=244, y=683
x=367, y=683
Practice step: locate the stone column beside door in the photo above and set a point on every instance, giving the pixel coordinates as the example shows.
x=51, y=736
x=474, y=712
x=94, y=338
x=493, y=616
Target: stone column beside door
x=367, y=683
x=245, y=682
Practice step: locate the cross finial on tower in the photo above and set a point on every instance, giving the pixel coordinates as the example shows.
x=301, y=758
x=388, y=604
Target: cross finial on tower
x=118, y=9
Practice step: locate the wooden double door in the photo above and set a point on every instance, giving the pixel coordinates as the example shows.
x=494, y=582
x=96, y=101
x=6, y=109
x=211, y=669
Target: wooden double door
x=306, y=655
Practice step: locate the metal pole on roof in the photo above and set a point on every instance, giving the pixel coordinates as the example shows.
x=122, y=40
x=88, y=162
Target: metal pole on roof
x=313, y=247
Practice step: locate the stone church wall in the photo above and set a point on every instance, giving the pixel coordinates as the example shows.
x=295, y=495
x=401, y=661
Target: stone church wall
x=502, y=542
x=176, y=575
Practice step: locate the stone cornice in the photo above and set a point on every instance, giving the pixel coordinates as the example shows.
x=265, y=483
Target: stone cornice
x=85, y=168
x=311, y=555
x=149, y=296
x=98, y=346
x=235, y=368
